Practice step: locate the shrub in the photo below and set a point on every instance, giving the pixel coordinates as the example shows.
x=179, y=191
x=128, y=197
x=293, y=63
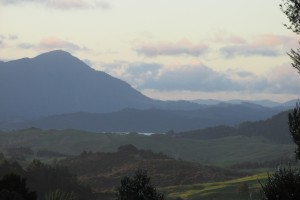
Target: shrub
x=284, y=184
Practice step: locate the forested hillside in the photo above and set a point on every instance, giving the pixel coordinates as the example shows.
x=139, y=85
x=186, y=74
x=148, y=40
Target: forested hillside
x=103, y=171
x=274, y=129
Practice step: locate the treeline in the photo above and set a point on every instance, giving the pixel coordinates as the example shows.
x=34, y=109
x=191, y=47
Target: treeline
x=266, y=164
x=21, y=153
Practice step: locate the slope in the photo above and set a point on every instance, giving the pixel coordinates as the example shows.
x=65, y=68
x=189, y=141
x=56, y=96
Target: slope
x=274, y=129
x=104, y=170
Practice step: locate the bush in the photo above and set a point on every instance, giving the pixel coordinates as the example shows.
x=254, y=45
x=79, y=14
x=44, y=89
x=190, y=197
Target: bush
x=13, y=187
x=284, y=184
x=138, y=187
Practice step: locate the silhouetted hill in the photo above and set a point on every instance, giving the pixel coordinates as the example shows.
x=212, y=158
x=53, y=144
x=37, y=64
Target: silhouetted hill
x=152, y=120
x=57, y=83
x=104, y=170
x=274, y=128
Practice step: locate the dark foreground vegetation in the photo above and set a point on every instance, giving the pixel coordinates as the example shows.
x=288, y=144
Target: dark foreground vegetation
x=42, y=179
x=97, y=174
x=103, y=171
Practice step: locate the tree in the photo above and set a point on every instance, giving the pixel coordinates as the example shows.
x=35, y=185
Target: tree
x=294, y=127
x=13, y=187
x=138, y=187
x=291, y=8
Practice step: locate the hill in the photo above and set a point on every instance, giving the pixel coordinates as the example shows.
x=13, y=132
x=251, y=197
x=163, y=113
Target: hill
x=274, y=128
x=103, y=171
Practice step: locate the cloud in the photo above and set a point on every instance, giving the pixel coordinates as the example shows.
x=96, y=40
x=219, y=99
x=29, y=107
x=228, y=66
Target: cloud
x=134, y=73
x=52, y=43
x=249, y=50
x=62, y=4
x=5, y=39
x=282, y=78
x=25, y=46
x=194, y=77
x=268, y=45
x=223, y=37
x=244, y=74
x=201, y=78
x=12, y=37
x=1, y=41
x=191, y=78
x=183, y=47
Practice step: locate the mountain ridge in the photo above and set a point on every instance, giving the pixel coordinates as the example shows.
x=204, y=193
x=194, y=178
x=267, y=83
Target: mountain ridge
x=263, y=102
x=151, y=120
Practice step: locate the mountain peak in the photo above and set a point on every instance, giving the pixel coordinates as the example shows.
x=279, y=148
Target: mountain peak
x=55, y=55
x=60, y=61
x=56, y=52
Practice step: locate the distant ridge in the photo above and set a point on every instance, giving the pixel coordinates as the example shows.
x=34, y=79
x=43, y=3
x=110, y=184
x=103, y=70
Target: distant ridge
x=152, y=120
x=264, y=102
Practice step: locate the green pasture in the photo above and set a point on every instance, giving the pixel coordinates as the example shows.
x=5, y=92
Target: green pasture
x=228, y=190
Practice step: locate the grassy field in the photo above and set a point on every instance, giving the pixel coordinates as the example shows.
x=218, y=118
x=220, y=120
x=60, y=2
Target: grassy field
x=220, y=152
x=229, y=190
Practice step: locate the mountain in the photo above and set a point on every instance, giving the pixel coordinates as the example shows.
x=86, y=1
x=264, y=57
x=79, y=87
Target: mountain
x=152, y=120
x=57, y=82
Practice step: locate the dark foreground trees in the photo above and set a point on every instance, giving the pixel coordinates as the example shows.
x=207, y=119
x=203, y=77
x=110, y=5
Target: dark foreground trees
x=45, y=180
x=138, y=187
x=294, y=126
x=13, y=187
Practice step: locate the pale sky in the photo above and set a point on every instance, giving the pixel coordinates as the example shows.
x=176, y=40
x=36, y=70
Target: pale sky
x=167, y=49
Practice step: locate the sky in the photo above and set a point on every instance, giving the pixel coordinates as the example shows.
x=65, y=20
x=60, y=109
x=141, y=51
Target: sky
x=166, y=49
